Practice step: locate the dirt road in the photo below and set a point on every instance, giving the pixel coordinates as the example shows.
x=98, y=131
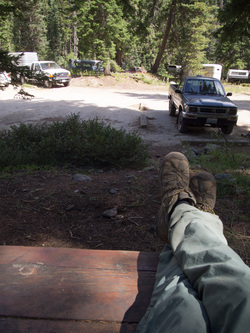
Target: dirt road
x=117, y=105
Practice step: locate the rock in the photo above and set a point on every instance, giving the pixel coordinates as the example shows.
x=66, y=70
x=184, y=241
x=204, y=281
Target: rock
x=69, y=208
x=131, y=177
x=192, y=149
x=191, y=154
x=210, y=147
x=150, y=168
x=118, y=223
x=110, y=212
x=224, y=176
x=81, y=178
x=112, y=191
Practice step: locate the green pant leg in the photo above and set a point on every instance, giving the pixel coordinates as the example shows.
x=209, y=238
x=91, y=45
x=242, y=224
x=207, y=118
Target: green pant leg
x=175, y=306
x=213, y=268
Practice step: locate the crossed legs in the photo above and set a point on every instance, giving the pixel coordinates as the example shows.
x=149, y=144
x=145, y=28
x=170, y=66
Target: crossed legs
x=201, y=285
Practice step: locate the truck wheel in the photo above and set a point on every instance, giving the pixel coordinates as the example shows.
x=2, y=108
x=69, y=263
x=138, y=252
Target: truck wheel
x=172, y=109
x=227, y=129
x=47, y=84
x=66, y=84
x=182, y=128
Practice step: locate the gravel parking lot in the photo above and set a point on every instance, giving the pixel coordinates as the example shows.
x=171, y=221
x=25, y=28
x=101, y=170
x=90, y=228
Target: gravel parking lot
x=117, y=104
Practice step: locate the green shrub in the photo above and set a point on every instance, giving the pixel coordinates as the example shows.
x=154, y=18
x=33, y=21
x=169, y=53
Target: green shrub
x=74, y=141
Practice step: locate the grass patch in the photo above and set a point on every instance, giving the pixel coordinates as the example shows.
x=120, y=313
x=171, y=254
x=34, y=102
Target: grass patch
x=242, y=88
x=231, y=161
x=233, y=192
x=223, y=159
x=74, y=141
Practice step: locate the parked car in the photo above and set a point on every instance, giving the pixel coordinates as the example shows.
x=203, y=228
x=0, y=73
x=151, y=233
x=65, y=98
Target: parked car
x=5, y=79
x=201, y=101
x=175, y=68
x=137, y=69
x=87, y=65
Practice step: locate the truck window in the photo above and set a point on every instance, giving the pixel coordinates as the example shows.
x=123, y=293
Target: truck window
x=192, y=86
x=204, y=87
x=49, y=65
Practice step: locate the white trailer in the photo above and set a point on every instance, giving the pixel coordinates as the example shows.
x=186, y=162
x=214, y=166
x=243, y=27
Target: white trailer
x=237, y=75
x=212, y=70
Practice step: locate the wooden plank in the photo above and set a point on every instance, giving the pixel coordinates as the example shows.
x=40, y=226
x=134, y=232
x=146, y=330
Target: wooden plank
x=75, y=284
x=143, y=121
x=12, y=325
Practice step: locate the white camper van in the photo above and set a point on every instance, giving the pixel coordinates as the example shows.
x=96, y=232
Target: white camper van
x=212, y=70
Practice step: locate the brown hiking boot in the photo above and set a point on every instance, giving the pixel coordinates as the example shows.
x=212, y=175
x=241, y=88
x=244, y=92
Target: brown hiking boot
x=203, y=186
x=174, y=185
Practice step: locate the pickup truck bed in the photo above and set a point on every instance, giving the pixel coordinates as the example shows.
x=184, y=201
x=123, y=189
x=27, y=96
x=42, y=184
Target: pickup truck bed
x=201, y=101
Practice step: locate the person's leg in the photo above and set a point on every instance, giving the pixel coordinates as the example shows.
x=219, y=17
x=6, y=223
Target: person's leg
x=200, y=248
x=212, y=267
x=175, y=306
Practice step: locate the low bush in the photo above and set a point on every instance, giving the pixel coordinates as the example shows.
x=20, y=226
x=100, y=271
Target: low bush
x=73, y=141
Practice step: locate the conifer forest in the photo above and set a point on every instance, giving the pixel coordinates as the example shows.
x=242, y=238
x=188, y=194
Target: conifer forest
x=124, y=33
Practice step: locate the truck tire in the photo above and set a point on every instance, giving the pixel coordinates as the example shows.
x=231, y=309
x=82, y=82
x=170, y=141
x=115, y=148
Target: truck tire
x=172, y=108
x=227, y=129
x=47, y=84
x=66, y=84
x=182, y=128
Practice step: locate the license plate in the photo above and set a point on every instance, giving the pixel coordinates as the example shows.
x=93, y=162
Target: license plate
x=211, y=121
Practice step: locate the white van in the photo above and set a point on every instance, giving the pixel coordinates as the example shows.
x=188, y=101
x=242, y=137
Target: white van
x=237, y=75
x=212, y=70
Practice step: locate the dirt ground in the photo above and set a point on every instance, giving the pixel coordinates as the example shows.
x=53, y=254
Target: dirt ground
x=51, y=209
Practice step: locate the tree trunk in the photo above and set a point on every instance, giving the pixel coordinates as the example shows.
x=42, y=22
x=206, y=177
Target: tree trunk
x=75, y=39
x=119, y=57
x=155, y=67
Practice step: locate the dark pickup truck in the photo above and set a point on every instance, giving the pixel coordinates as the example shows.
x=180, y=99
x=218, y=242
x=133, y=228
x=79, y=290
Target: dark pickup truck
x=202, y=100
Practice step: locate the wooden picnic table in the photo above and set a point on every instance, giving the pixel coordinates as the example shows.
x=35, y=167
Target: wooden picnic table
x=74, y=290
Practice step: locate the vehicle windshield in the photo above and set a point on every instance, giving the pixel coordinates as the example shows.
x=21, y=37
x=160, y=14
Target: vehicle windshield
x=49, y=65
x=204, y=87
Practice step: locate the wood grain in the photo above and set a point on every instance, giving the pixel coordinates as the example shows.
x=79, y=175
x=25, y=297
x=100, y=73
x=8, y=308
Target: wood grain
x=86, y=286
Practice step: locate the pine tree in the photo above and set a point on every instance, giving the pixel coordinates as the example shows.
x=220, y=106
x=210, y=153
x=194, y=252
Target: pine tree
x=30, y=28
x=102, y=30
x=233, y=47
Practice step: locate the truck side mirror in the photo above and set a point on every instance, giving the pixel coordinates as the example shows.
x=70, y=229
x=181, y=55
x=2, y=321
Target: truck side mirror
x=178, y=91
x=229, y=94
